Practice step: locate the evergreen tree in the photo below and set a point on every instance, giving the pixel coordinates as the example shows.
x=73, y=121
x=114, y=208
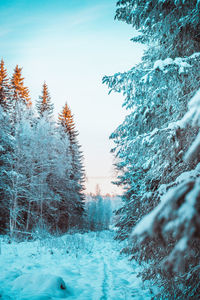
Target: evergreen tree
x=150, y=143
x=44, y=105
x=20, y=93
x=4, y=87
x=170, y=27
x=65, y=120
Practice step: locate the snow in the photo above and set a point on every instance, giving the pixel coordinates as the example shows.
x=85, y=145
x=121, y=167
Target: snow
x=193, y=114
x=185, y=212
x=179, y=61
x=161, y=64
x=196, y=54
x=188, y=175
x=182, y=244
x=188, y=209
x=192, y=117
x=77, y=266
x=193, y=151
x=145, y=225
x=42, y=285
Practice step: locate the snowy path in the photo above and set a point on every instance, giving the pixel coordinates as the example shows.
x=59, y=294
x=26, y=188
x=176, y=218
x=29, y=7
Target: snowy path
x=89, y=265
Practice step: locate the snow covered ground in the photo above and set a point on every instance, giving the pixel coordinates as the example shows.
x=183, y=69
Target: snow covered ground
x=79, y=266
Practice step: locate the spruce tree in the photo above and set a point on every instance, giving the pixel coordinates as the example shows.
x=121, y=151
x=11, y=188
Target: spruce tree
x=150, y=143
x=66, y=121
x=20, y=93
x=4, y=87
x=44, y=105
x=144, y=141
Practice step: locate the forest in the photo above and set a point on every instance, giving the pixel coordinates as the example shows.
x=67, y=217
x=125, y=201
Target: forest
x=148, y=246
x=41, y=162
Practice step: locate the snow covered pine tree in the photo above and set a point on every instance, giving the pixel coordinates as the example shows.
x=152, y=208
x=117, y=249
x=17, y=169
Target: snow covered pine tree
x=151, y=142
x=44, y=105
x=4, y=87
x=67, y=125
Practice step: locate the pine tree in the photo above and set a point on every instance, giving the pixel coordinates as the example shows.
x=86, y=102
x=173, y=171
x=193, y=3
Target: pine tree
x=20, y=93
x=150, y=143
x=4, y=87
x=44, y=105
x=65, y=120
x=148, y=151
x=170, y=27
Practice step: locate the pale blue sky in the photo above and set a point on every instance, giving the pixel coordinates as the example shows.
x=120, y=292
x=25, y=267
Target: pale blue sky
x=72, y=44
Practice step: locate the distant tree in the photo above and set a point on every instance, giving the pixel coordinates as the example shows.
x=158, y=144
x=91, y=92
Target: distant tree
x=44, y=105
x=98, y=212
x=97, y=190
x=4, y=87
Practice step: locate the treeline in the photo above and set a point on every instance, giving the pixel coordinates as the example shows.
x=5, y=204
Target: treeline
x=157, y=146
x=99, y=212
x=41, y=168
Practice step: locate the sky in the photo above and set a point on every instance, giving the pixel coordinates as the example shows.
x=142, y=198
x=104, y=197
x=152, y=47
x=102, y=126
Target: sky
x=72, y=44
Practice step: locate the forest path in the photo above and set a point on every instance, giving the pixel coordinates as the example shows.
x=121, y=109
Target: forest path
x=89, y=264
